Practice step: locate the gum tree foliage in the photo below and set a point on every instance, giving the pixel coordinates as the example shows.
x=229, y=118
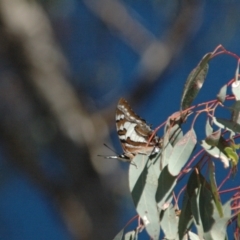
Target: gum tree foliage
x=152, y=180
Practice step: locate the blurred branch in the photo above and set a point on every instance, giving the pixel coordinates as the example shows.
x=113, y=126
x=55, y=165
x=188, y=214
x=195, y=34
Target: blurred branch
x=155, y=55
x=27, y=25
x=28, y=44
x=115, y=15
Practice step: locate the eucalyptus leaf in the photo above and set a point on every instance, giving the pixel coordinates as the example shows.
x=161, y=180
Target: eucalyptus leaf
x=213, y=138
x=238, y=220
x=214, y=189
x=181, y=152
x=232, y=154
x=166, y=183
x=143, y=183
x=228, y=124
x=194, y=82
x=132, y=235
x=185, y=219
x=199, y=228
x=190, y=204
x=218, y=229
x=222, y=94
x=213, y=224
x=235, y=109
x=208, y=128
x=216, y=153
x=166, y=152
x=119, y=236
x=217, y=143
x=206, y=206
x=172, y=130
x=175, y=133
x=236, y=89
x=194, y=186
x=169, y=223
x=220, y=125
x=193, y=236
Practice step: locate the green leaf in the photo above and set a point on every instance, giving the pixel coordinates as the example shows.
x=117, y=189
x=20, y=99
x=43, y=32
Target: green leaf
x=216, y=146
x=175, y=133
x=194, y=82
x=119, y=236
x=214, y=226
x=236, y=89
x=181, y=152
x=165, y=155
x=167, y=150
x=196, y=214
x=214, y=189
x=185, y=219
x=132, y=235
x=193, y=236
x=220, y=125
x=218, y=229
x=143, y=182
x=228, y=124
x=189, y=205
x=213, y=138
x=238, y=220
x=222, y=94
x=231, y=153
x=208, y=128
x=169, y=223
x=172, y=130
x=206, y=206
x=235, y=109
x=216, y=153
x=166, y=183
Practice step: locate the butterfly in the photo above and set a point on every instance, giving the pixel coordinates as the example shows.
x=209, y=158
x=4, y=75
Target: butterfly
x=134, y=133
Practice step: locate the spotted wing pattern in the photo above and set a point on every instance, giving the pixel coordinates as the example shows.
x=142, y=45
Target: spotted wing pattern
x=134, y=133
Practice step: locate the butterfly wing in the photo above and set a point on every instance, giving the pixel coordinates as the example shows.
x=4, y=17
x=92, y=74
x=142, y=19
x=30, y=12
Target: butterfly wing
x=133, y=132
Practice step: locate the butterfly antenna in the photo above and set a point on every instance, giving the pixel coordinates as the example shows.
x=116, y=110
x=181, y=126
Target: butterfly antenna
x=110, y=148
x=110, y=156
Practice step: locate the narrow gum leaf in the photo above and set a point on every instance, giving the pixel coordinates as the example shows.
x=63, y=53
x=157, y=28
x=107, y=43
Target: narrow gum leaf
x=208, y=128
x=172, y=130
x=236, y=89
x=193, y=236
x=229, y=125
x=181, y=152
x=238, y=220
x=237, y=72
x=206, y=58
x=130, y=235
x=195, y=81
x=166, y=183
x=185, y=218
x=167, y=149
x=188, y=206
x=213, y=185
x=232, y=155
x=222, y=126
x=235, y=109
x=214, y=226
x=119, y=236
x=216, y=153
x=213, y=139
x=143, y=182
x=206, y=206
x=169, y=223
x=221, y=96
x=218, y=229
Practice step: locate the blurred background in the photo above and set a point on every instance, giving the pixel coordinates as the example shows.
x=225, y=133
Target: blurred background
x=63, y=67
